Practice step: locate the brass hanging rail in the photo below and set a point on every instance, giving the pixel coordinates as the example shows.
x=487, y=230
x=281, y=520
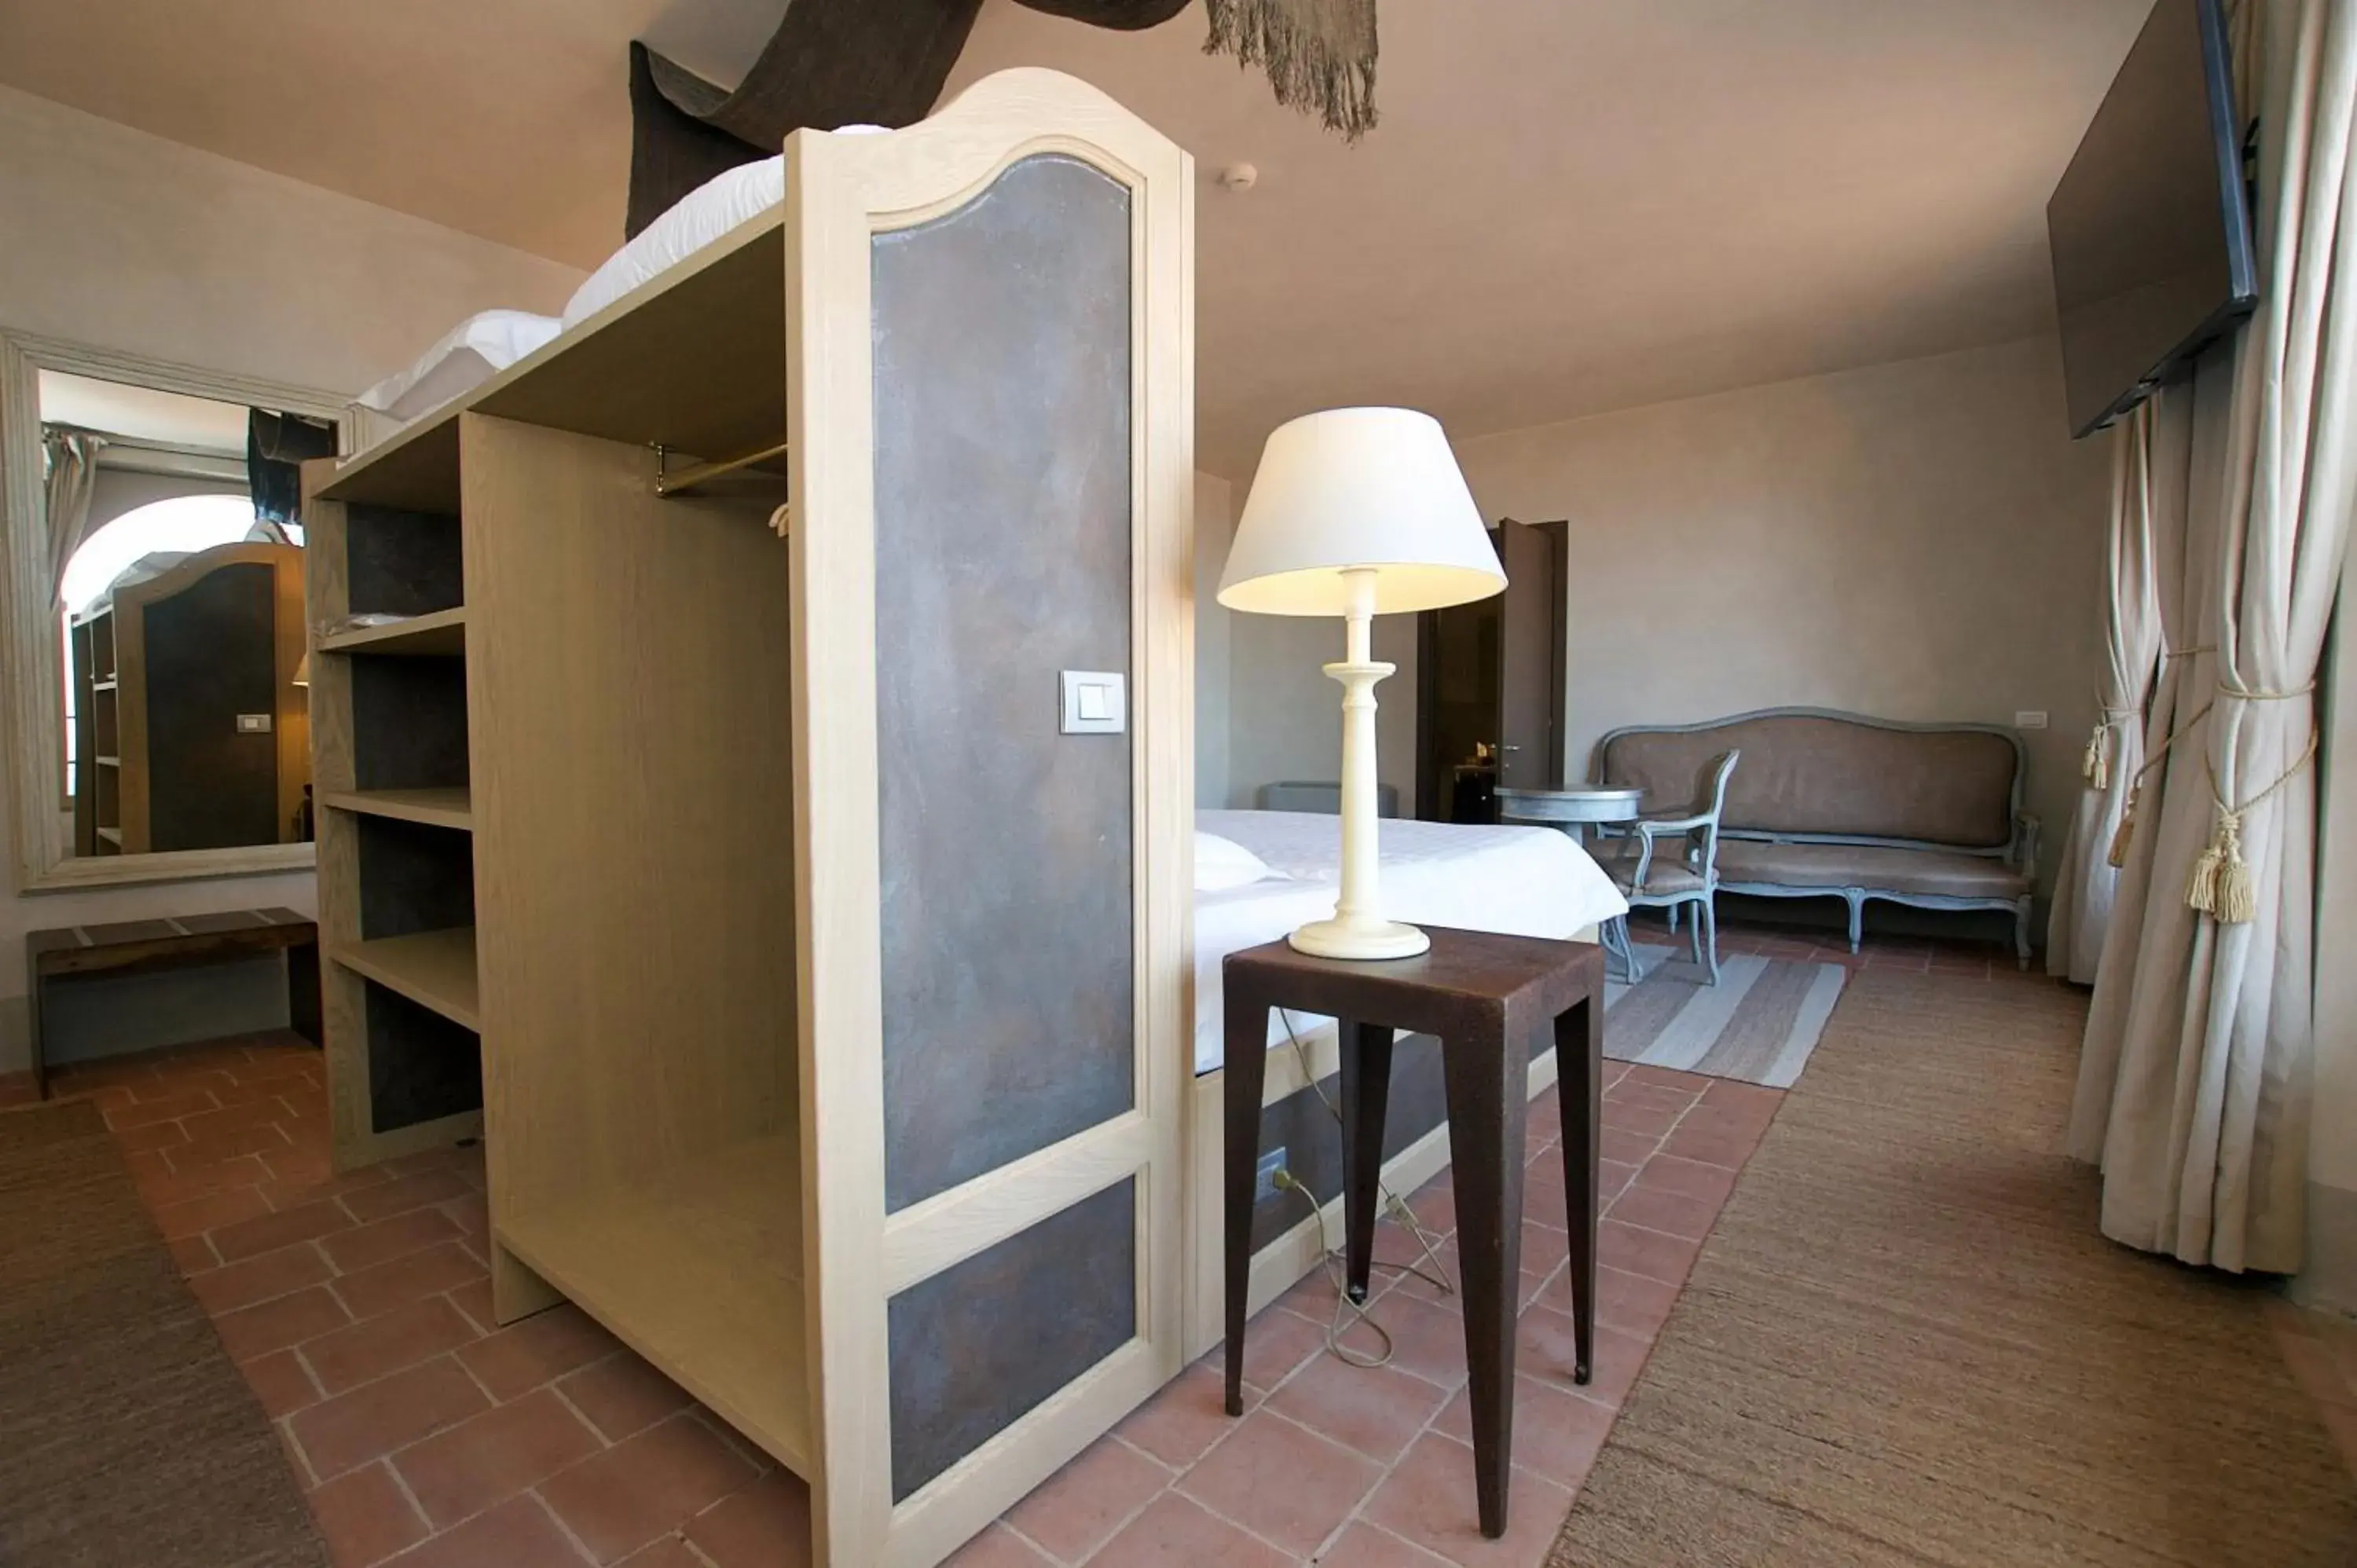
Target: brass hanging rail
x=671, y=484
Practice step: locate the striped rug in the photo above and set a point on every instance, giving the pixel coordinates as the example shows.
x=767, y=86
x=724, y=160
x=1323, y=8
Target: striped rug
x=1757, y=1024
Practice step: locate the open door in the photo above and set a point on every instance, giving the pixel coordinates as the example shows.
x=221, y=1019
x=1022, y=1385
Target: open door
x=1490, y=684
x=990, y=421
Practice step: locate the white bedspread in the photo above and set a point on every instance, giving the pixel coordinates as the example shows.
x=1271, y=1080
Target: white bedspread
x=1527, y=882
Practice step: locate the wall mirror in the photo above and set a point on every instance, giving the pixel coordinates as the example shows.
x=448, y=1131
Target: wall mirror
x=156, y=671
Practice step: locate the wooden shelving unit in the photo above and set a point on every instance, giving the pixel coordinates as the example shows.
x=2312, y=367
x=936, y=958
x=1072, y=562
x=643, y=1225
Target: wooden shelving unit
x=701, y=1272
x=442, y=632
x=604, y=839
x=433, y=969
x=447, y=806
x=400, y=1005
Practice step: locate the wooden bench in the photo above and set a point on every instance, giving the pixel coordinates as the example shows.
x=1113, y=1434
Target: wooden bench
x=125, y=947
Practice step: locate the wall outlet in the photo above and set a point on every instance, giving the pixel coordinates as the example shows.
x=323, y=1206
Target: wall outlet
x=2029, y=718
x=1265, y=1177
x=253, y=724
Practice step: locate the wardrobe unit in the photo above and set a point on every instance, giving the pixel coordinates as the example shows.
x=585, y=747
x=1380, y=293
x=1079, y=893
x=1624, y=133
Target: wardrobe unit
x=705, y=835
x=191, y=731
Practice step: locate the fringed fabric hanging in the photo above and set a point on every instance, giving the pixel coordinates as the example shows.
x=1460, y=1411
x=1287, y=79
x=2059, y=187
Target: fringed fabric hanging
x=1318, y=55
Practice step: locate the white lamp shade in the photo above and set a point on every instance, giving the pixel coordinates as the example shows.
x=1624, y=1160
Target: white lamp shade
x=1353, y=488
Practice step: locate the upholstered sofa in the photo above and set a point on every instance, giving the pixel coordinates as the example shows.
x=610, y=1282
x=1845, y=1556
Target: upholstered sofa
x=1834, y=805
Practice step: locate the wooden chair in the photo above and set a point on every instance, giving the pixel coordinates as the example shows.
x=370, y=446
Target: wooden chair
x=1655, y=878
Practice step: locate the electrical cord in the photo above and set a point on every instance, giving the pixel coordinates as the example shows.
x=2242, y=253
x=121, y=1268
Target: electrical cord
x=1349, y=1314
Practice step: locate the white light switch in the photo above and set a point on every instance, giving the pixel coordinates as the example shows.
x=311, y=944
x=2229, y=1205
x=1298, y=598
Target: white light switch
x=253, y=724
x=1095, y=703
x=2029, y=718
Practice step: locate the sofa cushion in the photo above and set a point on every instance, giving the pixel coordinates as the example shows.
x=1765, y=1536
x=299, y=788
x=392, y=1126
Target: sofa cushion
x=1813, y=773
x=1838, y=865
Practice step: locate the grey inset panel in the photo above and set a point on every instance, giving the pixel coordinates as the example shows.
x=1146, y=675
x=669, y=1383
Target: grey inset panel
x=402, y=562
x=422, y=1065
x=212, y=654
x=981, y=1343
x=409, y=722
x=1003, y=469
x=413, y=877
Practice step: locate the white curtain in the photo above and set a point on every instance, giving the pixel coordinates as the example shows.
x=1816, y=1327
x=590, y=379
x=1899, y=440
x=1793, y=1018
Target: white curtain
x=73, y=475
x=2086, y=880
x=2195, y=1084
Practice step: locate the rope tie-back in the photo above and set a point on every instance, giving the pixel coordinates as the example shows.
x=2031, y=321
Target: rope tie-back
x=2095, y=766
x=2126, y=830
x=2220, y=885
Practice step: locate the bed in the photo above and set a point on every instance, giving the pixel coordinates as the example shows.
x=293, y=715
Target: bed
x=1524, y=881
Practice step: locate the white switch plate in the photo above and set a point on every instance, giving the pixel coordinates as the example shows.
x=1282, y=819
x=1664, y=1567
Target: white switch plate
x=1094, y=702
x=253, y=724
x=2029, y=718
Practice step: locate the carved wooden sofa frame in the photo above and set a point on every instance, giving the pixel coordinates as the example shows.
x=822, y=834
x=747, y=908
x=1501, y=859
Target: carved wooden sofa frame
x=1783, y=847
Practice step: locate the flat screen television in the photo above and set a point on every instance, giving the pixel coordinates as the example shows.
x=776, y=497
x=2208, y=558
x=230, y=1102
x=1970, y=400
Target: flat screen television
x=2150, y=229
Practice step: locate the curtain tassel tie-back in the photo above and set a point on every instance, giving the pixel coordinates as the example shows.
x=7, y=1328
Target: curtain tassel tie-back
x=2220, y=886
x=2126, y=830
x=2095, y=766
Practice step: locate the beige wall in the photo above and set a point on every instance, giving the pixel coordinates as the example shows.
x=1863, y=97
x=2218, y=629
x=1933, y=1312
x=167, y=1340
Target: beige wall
x=122, y=240
x=1916, y=541
x=1286, y=717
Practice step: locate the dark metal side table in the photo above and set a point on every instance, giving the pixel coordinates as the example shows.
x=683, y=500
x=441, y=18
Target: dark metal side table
x=1486, y=997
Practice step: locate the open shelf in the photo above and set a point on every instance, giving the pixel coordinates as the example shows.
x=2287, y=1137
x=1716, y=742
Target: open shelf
x=108, y=761
x=434, y=969
x=104, y=685
x=111, y=836
x=440, y=632
x=449, y=807
x=700, y=1271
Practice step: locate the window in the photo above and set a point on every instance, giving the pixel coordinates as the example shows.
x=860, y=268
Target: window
x=183, y=523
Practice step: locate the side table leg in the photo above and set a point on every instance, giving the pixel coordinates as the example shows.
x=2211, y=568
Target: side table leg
x=1246, y=1063
x=1366, y=1097
x=1488, y=1079
x=33, y=1028
x=1579, y=1095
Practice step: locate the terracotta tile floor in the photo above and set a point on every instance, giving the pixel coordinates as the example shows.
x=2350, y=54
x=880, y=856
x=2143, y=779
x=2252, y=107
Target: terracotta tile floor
x=358, y=1308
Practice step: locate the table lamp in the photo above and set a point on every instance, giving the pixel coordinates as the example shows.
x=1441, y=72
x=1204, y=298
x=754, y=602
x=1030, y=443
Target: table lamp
x=1359, y=512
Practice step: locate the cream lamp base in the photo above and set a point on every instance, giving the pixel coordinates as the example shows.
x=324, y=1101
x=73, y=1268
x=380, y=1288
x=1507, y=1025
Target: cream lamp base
x=1339, y=938
x=1357, y=930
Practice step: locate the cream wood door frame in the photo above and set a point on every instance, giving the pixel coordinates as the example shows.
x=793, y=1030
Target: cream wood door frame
x=841, y=191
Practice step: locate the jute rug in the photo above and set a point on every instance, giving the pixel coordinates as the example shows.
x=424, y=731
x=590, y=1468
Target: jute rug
x=1906, y=1343
x=127, y=1438
x=1757, y=1024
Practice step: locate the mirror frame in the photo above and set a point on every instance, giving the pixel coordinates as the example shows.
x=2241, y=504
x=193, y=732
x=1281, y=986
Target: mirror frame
x=35, y=698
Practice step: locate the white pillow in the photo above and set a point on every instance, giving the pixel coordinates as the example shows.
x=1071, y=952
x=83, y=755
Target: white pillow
x=1221, y=864
x=466, y=356
x=694, y=221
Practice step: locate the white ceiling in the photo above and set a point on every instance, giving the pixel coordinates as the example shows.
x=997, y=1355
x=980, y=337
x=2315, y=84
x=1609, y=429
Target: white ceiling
x=143, y=413
x=1570, y=206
